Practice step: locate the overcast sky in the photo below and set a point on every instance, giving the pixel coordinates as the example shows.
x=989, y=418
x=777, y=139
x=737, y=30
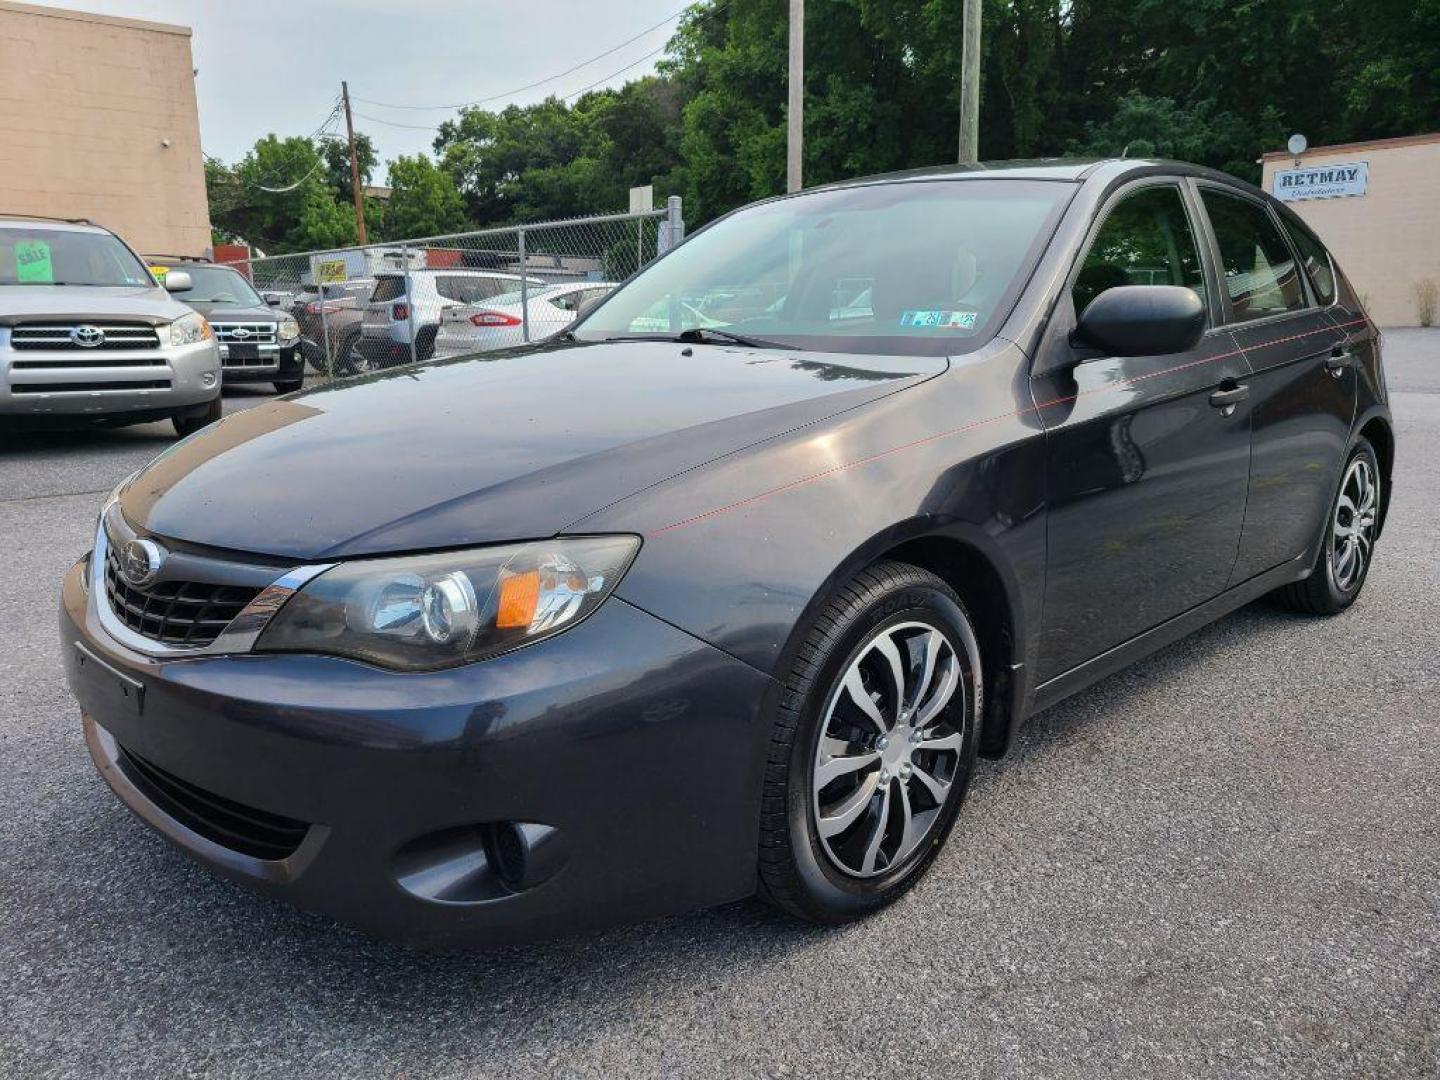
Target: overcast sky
x=276, y=65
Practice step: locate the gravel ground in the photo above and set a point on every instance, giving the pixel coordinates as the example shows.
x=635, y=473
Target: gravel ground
x=1222, y=862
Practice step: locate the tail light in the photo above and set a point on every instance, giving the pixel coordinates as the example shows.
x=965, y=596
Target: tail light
x=312, y=309
x=493, y=318
x=400, y=312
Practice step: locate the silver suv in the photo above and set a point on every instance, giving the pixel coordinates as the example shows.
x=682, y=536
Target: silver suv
x=87, y=334
x=403, y=315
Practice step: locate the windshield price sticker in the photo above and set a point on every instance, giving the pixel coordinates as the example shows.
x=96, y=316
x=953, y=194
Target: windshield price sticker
x=947, y=320
x=32, y=261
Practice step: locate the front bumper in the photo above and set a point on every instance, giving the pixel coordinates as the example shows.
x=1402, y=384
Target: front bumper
x=108, y=384
x=629, y=753
x=278, y=363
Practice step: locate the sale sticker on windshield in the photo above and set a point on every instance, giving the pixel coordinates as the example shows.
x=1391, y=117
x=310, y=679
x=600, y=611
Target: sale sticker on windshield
x=32, y=262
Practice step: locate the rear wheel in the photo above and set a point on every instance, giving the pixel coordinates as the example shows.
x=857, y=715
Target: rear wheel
x=1348, y=542
x=873, y=746
x=190, y=421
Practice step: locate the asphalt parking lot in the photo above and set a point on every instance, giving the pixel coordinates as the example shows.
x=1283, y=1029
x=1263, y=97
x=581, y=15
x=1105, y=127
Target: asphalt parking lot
x=1222, y=862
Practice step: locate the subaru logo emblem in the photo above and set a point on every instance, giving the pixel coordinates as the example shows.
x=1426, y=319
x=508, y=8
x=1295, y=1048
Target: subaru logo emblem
x=87, y=336
x=240, y=333
x=140, y=562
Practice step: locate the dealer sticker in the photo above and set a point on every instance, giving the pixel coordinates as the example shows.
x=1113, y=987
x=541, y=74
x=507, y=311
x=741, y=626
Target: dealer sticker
x=948, y=320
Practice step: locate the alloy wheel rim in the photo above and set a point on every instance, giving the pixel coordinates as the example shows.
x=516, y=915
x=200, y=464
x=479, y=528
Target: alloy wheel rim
x=888, y=752
x=1352, y=533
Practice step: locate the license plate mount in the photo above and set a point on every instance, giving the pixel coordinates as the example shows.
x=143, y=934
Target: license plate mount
x=103, y=688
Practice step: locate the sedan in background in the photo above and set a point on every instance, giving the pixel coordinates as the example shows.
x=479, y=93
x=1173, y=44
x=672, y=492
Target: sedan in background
x=501, y=321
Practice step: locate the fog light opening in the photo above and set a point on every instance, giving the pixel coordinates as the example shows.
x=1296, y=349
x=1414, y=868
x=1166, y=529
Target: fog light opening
x=507, y=854
x=207, y=380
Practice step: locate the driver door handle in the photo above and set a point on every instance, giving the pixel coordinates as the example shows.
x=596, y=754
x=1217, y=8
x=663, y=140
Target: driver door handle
x=1338, y=360
x=1229, y=397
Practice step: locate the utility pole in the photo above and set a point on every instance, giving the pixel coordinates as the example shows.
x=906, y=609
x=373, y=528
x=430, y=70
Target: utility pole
x=970, y=84
x=795, y=109
x=354, y=168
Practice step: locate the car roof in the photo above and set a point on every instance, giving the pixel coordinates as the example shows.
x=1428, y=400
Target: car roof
x=467, y=271
x=21, y=221
x=1069, y=170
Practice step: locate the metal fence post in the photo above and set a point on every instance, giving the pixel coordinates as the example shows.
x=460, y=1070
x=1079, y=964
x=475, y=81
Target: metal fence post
x=409, y=300
x=674, y=221
x=524, y=288
x=327, y=361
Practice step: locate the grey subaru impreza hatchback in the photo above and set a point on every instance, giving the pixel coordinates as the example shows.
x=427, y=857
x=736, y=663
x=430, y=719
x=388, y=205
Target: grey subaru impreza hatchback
x=724, y=590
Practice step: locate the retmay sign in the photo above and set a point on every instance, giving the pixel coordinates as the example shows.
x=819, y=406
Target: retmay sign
x=1322, y=181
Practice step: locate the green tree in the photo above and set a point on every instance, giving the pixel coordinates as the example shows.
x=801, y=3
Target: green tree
x=423, y=200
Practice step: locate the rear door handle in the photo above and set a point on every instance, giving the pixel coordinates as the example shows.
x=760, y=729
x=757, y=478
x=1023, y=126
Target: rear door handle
x=1228, y=398
x=1338, y=360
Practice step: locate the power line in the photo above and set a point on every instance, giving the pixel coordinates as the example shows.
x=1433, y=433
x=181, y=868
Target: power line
x=539, y=82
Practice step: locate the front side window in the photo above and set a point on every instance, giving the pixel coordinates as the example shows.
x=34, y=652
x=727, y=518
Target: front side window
x=1316, y=261
x=920, y=268
x=40, y=256
x=1146, y=239
x=1255, y=262
x=217, y=285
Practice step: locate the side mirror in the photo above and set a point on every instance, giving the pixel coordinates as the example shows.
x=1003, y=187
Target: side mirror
x=1143, y=320
x=178, y=281
x=273, y=299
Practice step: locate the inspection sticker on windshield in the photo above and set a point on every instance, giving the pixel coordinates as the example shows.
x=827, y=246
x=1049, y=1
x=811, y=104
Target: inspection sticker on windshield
x=32, y=261
x=957, y=320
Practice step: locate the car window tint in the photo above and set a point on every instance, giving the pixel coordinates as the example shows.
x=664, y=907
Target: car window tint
x=1255, y=261
x=1316, y=261
x=1146, y=239
x=388, y=287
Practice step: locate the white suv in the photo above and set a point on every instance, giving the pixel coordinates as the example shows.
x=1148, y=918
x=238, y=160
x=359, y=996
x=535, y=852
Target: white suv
x=406, y=305
x=87, y=334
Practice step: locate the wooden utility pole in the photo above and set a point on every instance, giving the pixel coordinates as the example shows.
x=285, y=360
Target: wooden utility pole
x=354, y=168
x=795, y=109
x=970, y=84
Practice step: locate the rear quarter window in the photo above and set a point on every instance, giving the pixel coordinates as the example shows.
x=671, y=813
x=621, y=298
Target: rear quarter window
x=388, y=287
x=1316, y=261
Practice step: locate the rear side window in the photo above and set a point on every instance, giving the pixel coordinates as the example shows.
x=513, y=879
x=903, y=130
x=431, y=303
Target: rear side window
x=388, y=287
x=1255, y=262
x=1146, y=239
x=1316, y=261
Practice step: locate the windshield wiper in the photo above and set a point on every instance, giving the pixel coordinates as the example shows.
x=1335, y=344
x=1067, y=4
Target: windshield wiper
x=707, y=335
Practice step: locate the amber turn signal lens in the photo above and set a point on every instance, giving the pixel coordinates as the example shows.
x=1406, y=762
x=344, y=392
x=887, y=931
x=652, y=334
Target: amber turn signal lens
x=519, y=595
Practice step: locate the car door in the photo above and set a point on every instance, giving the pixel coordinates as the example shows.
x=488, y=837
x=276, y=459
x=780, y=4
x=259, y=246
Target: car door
x=1302, y=386
x=1146, y=467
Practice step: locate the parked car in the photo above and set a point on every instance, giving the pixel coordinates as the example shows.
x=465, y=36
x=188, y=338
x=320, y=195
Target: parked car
x=499, y=323
x=330, y=315
x=87, y=334
x=405, y=307
x=257, y=342
x=637, y=621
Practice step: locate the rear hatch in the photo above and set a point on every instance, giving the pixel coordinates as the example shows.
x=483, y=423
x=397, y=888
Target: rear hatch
x=380, y=312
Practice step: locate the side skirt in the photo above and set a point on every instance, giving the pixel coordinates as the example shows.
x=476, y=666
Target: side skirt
x=1137, y=648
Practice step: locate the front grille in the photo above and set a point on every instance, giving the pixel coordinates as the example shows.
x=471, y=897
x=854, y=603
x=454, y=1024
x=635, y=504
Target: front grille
x=72, y=363
x=78, y=387
x=186, y=613
x=249, y=333
x=256, y=833
x=55, y=337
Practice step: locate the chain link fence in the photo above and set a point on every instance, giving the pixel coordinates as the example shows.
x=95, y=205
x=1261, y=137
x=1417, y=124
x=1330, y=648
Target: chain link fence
x=361, y=309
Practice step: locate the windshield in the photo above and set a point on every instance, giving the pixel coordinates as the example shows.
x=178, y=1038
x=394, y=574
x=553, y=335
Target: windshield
x=914, y=268
x=35, y=255
x=216, y=285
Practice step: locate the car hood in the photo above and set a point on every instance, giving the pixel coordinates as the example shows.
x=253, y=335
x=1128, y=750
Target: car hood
x=145, y=303
x=483, y=449
x=235, y=312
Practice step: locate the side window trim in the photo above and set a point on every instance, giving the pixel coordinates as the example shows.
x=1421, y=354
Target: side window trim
x=1197, y=231
x=1213, y=242
x=1290, y=229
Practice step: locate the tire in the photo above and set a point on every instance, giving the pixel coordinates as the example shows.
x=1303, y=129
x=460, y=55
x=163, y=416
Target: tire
x=425, y=343
x=289, y=386
x=1334, y=582
x=354, y=359
x=188, y=424
x=813, y=863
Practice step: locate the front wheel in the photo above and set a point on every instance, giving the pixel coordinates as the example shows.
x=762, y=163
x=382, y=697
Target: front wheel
x=873, y=746
x=1347, y=542
x=187, y=423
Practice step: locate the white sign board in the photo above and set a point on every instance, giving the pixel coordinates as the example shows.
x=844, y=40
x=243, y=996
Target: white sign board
x=642, y=199
x=1321, y=181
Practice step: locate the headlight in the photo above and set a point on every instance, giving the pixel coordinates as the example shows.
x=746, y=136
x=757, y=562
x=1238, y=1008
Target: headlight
x=432, y=611
x=288, y=329
x=188, y=329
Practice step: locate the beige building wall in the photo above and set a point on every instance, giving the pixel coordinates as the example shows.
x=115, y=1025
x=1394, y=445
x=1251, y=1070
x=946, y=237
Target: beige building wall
x=1388, y=240
x=87, y=103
